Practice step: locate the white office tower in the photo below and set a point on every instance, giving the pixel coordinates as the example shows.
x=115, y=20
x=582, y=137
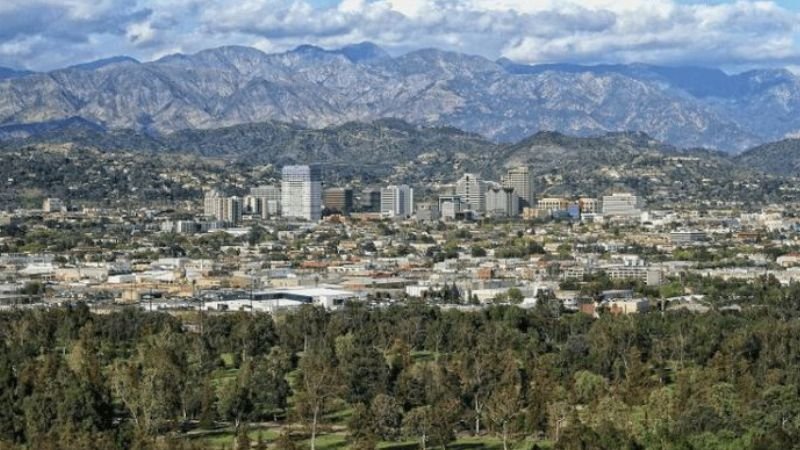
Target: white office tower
x=502, y=202
x=472, y=191
x=521, y=180
x=622, y=205
x=264, y=201
x=210, y=203
x=301, y=193
x=397, y=201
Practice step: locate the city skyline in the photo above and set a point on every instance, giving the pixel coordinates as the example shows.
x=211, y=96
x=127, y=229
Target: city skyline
x=400, y=224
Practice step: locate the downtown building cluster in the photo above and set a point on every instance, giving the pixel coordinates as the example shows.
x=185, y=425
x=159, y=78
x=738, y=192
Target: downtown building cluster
x=301, y=195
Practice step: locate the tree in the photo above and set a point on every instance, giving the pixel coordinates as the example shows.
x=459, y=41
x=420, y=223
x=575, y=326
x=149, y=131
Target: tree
x=363, y=368
x=256, y=235
x=444, y=416
x=588, y=387
x=361, y=427
x=236, y=399
x=269, y=387
x=476, y=371
x=242, y=438
x=515, y=296
x=418, y=423
x=386, y=417
x=149, y=385
x=9, y=423
x=504, y=402
x=56, y=400
x=318, y=382
x=208, y=399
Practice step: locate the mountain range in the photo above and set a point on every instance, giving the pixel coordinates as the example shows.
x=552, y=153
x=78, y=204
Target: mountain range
x=312, y=87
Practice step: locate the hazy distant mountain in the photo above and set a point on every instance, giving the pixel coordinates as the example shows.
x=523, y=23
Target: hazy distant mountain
x=100, y=63
x=313, y=87
x=7, y=72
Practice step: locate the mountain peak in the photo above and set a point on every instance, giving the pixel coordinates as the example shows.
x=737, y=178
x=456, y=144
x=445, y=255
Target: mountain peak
x=7, y=73
x=363, y=52
x=308, y=48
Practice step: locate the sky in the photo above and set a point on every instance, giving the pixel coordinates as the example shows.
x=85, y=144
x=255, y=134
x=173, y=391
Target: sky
x=730, y=34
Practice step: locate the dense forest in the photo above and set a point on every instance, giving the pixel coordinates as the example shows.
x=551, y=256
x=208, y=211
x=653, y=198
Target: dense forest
x=403, y=377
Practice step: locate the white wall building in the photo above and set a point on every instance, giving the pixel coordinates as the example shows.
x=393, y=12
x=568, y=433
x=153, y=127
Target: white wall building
x=397, y=201
x=622, y=205
x=301, y=192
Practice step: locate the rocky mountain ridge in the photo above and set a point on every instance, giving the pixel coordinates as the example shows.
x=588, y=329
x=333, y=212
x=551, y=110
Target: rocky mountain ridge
x=501, y=100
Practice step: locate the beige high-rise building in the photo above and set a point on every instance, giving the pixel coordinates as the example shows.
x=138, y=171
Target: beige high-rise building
x=210, y=202
x=521, y=180
x=226, y=209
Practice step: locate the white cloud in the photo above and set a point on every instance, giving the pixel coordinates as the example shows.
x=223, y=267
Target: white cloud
x=140, y=33
x=42, y=33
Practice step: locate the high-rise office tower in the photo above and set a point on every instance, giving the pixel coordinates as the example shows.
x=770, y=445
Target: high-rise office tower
x=397, y=201
x=231, y=211
x=521, y=180
x=301, y=192
x=338, y=200
x=472, y=191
